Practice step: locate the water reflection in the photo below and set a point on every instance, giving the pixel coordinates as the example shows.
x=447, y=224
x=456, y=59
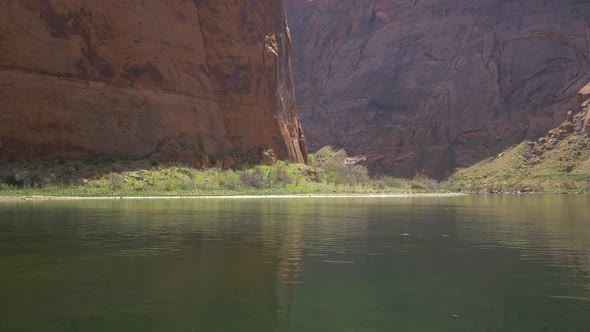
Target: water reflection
x=499, y=263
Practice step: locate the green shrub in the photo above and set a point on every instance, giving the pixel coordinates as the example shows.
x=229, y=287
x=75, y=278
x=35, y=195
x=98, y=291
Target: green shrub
x=392, y=182
x=115, y=181
x=280, y=175
x=311, y=159
x=423, y=182
x=324, y=153
x=230, y=181
x=255, y=178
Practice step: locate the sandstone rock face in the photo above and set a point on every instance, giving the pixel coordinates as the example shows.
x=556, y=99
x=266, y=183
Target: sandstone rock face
x=430, y=85
x=583, y=124
x=120, y=77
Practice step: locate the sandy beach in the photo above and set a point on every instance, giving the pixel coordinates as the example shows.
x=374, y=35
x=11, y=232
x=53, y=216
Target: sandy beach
x=57, y=198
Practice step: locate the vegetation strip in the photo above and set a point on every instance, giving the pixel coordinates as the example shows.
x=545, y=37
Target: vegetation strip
x=329, y=173
x=565, y=168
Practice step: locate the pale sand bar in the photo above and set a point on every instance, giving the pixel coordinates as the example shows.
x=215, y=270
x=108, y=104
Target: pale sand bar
x=56, y=198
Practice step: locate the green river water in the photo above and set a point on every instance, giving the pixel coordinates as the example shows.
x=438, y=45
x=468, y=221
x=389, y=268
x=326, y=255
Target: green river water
x=472, y=263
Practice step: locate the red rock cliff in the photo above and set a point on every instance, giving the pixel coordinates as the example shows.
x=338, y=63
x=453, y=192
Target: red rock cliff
x=122, y=77
x=429, y=85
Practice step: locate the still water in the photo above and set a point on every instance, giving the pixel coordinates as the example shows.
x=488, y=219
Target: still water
x=474, y=263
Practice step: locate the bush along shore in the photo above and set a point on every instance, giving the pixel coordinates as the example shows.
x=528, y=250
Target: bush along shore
x=329, y=172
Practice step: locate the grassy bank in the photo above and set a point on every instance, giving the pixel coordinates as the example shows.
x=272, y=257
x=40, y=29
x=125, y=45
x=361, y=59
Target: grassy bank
x=327, y=174
x=561, y=167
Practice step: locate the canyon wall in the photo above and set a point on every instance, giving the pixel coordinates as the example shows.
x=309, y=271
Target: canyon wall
x=138, y=78
x=429, y=85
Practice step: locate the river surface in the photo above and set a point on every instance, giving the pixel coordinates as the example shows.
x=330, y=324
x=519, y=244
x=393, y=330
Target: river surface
x=473, y=263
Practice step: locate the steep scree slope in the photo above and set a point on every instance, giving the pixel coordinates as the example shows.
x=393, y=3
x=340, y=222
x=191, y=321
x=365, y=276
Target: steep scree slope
x=429, y=85
x=124, y=77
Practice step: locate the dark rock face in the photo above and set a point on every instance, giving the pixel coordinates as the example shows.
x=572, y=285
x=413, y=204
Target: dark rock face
x=119, y=77
x=429, y=85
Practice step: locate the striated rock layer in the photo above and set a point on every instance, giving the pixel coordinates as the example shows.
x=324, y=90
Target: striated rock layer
x=126, y=77
x=429, y=85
